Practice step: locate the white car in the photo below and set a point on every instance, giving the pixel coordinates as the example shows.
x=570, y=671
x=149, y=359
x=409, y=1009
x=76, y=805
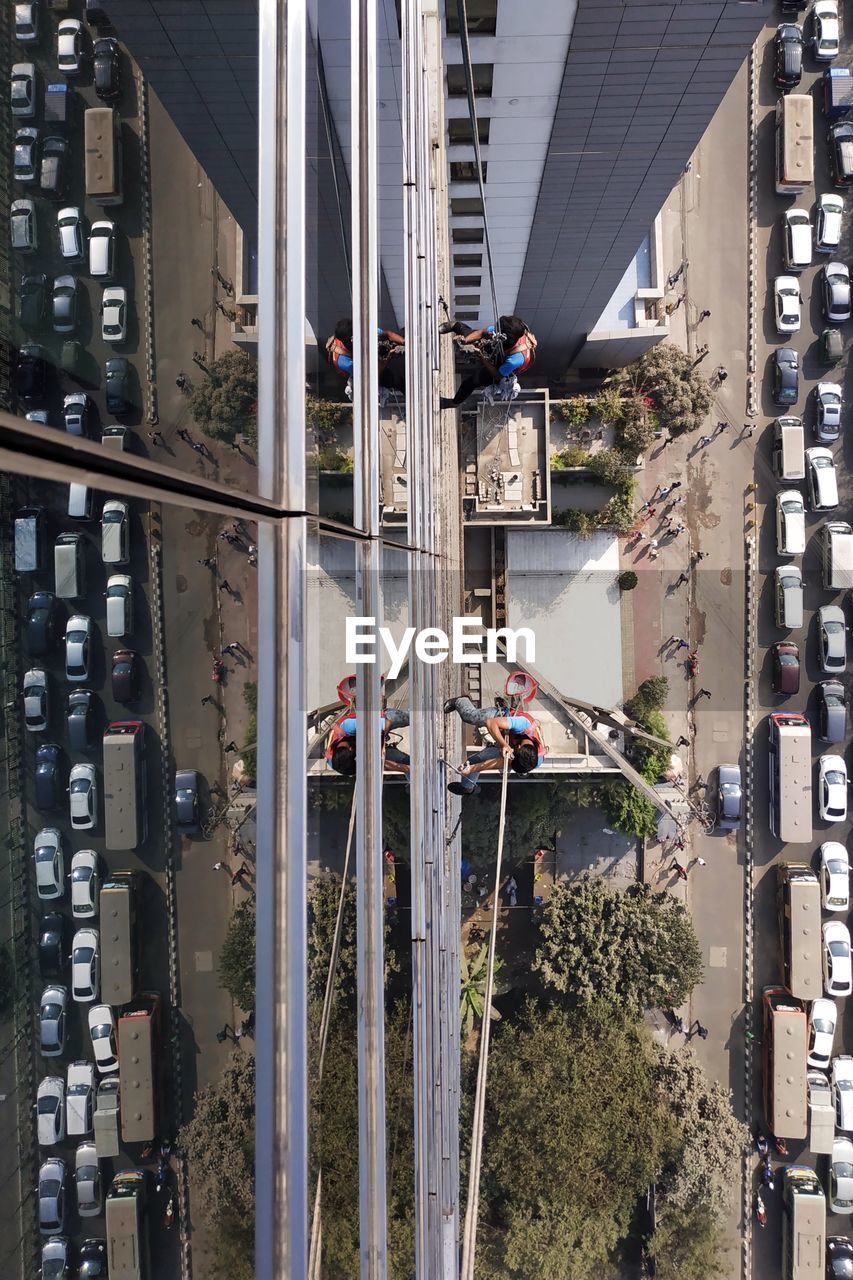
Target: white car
x=832, y=789
x=84, y=884
x=822, y=1022
x=825, y=27
x=837, y=977
x=787, y=303
x=842, y=1091
x=69, y=224
x=27, y=21
x=827, y=230
x=83, y=796
x=50, y=1110
x=114, y=315
x=790, y=523
x=50, y=864
x=841, y=1177
x=52, y=1019
x=79, y=1099
x=102, y=1029
x=78, y=642
x=85, y=966
x=75, y=413
x=827, y=412
x=36, y=710
x=87, y=1180
x=69, y=45
x=22, y=90
x=834, y=876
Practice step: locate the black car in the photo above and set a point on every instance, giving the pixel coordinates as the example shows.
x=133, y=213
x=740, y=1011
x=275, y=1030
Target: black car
x=107, y=74
x=125, y=675
x=33, y=300
x=186, y=799
x=118, y=385
x=42, y=622
x=80, y=718
x=31, y=372
x=839, y=1258
x=786, y=376
x=53, y=946
x=788, y=61
x=92, y=1263
x=840, y=139
x=47, y=776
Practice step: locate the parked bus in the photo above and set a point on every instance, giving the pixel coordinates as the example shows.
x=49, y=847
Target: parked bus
x=125, y=785
x=785, y=1042
x=803, y=1224
x=790, y=777
x=794, y=143
x=127, y=1232
x=138, y=1050
x=103, y=155
x=119, y=956
x=798, y=904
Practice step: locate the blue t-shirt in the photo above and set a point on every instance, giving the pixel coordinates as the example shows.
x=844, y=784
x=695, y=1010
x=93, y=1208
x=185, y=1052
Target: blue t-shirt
x=345, y=362
x=521, y=725
x=511, y=363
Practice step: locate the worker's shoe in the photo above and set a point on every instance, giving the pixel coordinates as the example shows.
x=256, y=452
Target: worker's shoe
x=449, y=326
x=458, y=789
x=450, y=705
x=501, y=704
x=446, y=402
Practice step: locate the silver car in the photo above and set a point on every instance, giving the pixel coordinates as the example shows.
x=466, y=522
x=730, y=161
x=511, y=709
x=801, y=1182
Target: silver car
x=36, y=703
x=52, y=1011
x=25, y=162
x=87, y=1180
x=827, y=230
x=835, y=291
x=69, y=224
x=833, y=638
x=23, y=90
x=23, y=226
x=827, y=412
x=51, y=1197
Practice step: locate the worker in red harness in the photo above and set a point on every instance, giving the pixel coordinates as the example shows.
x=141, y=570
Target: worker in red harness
x=392, y=372
x=519, y=355
x=340, y=749
x=516, y=734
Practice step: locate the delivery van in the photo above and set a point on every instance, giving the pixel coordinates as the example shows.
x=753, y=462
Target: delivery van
x=69, y=563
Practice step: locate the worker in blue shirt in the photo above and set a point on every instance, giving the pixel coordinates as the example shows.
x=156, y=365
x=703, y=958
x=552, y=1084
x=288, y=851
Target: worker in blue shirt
x=392, y=372
x=340, y=750
x=519, y=355
x=515, y=733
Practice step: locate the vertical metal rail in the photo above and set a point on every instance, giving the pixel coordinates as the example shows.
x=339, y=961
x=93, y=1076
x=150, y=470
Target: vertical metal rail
x=369, y=871
x=281, y=1036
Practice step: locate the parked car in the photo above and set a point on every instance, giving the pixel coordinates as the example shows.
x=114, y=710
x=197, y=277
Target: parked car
x=27, y=21
x=70, y=45
x=22, y=90
x=23, y=225
x=56, y=1259
x=839, y=1258
x=78, y=644
x=186, y=800
x=75, y=413
x=50, y=1111
x=87, y=1180
x=42, y=623
x=825, y=30
x=36, y=700
x=50, y=864
x=117, y=380
x=837, y=980
x=834, y=876
x=786, y=376
x=840, y=1189
x=65, y=300
x=832, y=788
x=830, y=212
x=31, y=371
x=69, y=224
x=102, y=246
x=833, y=638
x=835, y=292
x=842, y=1088
x=84, y=884
x=787, y=304
x=788, y=55
x=102, y=1029
x=729, y=797
x=26, y=155
x=114, y=315
x=107, y=69
x=85, y=966
x=51, y=1196
x=47, y=779
x=92, y=1260
x=52, y=948
x=832, y=711
x=53, y=168
x=52, y=1011
x=822, y=1022
x=80, y=719
x=83, y=797
x=790, y=523
x=126, y=675
x=79, y=1099
x=32, y=299
x=786, y=667
x=827, y=412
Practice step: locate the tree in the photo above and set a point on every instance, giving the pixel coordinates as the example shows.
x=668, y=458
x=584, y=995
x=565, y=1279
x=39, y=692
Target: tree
x=665, y=376
x=689, y=1245
x=627, y=580
x=220, y=1144
x=473, y=998
x=224, y=401
x=237, y=957
x=651, y=696
x=629, y=810
x=633, y=950
x=323, y=897
x=575, y=1132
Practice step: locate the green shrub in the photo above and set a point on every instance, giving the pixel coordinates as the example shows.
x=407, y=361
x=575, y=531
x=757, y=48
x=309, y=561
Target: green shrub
x=333, y=460
x=326, y=417
x=573, y=456
x=574, y=411
x=627, y=580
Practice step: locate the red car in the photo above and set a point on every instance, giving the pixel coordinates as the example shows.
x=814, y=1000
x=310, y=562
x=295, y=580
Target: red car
x=786, y=668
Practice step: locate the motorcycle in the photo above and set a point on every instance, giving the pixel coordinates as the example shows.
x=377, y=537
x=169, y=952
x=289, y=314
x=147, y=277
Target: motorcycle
x=218, y=668
x=760, y=1210
x=781, y=1146
x=768, y=1177
x=170, y=1211
x=162, y=1174
x=762, y=1146
x=693, y=663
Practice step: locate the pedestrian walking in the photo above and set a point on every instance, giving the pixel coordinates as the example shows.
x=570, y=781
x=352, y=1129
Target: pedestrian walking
x=156, y=437
x=231, y=746
x=222, y=1035
x=225, y=585
x=676, y=640
x=185, y=435
x=676, y=484
x=679, y=844
x=700, y=555
x=682, y=644
x=680, y=869
x=207, y=561
x=667, y=520
x=722, y=426
x=651, y=513
x=703, y=693
x=198, y=446
x=681, y=741
x=197, y=323
x=677, y=530
x=682, y=578
x=242, y=870
x=180, y=381
x=703, y=315
x=238, y=1035
x=218, y=866
x=678, y=1022
x=721, y=372
x=701, y=1031
x=226, y=648
x=676, y=502
x=664, y=490
x=700, y=862
x=704, y=441
x=207, y=698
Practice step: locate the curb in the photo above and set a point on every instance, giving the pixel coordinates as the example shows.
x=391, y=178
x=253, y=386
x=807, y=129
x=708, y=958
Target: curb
x=752, y=251
x=751, y=636
x=147, y=267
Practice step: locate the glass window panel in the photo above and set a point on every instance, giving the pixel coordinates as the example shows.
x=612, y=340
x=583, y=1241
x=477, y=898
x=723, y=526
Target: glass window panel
x=482, y=16
x=466, y=171
x=467, y=259
x=466, y=206
x=481, y=72
x=467, y=235
x=467, y=280
x=459, y=131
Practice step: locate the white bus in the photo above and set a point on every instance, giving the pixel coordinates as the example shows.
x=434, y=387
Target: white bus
x=790, y=777
x=125, y=785
x=102, y=130
x=794, y=143
x=785, y=1046
x=127, y=1239
x=803, y=1224
x=798, y=904
x=138, y=1068
x=119, y=953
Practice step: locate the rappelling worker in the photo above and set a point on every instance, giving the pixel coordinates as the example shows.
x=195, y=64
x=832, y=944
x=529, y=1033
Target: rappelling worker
x=340, y=750
x=391, y=370
x=519, y=354
x=515, y=733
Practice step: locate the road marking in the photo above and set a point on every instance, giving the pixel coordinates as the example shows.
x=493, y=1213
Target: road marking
x=718, y=957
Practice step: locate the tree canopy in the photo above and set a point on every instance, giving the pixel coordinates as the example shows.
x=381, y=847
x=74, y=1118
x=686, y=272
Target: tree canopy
x=665, y=375
x=220, y=1142
x=224, y=400
x=237, y=957
x=633, y=950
